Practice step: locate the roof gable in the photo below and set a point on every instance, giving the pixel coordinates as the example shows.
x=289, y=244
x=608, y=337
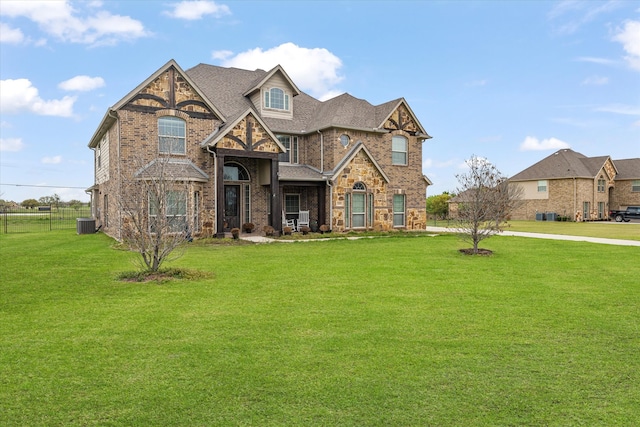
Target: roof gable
x=275, y=70
x=397, y=115
x=236, y=126
x=351, y=155
x=143, y=95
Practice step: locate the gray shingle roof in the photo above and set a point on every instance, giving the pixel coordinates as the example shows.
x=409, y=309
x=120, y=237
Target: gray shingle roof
x=570, y=164
x=175, y=169
x=299, y=173
x=226, y=89
x=628, y=168
x=562, y=164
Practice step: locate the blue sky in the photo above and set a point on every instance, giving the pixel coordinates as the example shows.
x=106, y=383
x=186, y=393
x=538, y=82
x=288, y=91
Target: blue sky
x=510, y=81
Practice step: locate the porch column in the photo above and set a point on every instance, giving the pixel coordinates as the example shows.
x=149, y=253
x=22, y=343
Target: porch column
x=276, y=205
x=322, y=210
x=220, y=195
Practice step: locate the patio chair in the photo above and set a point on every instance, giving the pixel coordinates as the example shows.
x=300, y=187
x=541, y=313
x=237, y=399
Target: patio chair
x=303, y=219
x=288, y=222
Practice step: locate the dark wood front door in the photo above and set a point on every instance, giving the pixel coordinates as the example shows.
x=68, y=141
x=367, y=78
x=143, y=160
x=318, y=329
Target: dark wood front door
x=231, y=206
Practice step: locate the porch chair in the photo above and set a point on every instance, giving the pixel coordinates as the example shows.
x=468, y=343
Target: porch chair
x=288, y=222
x=303, y=219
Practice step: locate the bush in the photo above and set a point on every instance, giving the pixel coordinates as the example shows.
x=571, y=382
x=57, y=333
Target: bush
x=248, y=227
x=305, y=230
x=235, y=232
x=287, y=231
x=268, y=230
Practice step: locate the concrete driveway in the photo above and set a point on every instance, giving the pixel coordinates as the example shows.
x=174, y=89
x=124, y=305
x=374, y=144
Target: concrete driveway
x=550, y=237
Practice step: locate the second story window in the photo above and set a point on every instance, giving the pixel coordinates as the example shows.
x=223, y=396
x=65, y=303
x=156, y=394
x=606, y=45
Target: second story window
x=171, y=135
x=601, y=185
x=399, y=150
x=276, y=98
x=542, y=186
x=291, y=145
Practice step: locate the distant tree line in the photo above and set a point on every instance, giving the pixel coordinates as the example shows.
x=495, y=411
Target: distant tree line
x=53, y=201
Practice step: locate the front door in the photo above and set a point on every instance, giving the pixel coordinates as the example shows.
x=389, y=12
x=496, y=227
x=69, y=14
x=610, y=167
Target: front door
x=231, y=207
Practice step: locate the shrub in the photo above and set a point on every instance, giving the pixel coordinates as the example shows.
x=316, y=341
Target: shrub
x=286, y=231
x=235, y=232
x=324, y=228
x=305, y=230
x=248, y=227
x=268, y=230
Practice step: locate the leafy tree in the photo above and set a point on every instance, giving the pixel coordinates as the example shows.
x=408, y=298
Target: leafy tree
x=75, y=204
x=485, y=200
x=50, y=200
x=153, y=207
x=438, y=205
x=30, y=203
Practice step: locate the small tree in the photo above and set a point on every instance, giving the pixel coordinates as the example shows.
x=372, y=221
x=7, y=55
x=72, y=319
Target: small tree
x=485, y=200
x=438, y=205
x=29, y=203
x=153, y=205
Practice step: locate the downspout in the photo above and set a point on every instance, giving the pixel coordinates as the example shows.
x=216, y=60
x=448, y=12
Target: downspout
x=215, y=184
x=575, y=198
x=321, y=151
x=330, y=204
x=114, y=115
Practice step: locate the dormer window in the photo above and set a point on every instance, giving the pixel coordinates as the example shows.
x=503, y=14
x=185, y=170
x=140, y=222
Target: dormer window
x=276, y=99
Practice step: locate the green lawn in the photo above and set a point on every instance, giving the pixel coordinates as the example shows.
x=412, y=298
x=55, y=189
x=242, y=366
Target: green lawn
x=398, y=331
x=605, y=229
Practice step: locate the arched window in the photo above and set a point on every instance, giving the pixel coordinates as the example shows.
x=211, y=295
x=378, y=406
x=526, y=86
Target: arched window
x=172, y=135
x=235, y=172
x=276, y=98
x=358, y=208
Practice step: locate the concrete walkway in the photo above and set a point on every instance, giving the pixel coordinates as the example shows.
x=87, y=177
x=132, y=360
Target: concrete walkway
x=550, y=236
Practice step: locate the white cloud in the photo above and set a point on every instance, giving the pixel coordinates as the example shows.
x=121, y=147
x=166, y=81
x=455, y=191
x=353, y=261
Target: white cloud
x=82, y=83
x=531, y=143
x=314, y=70
x=602, y=61
x=52, y=160
x=477, y=83
x=630, y=110
x=10, y=35
x=595, y=81
x=194, y=10
x=11, y=144
x=20, y=95
x=571, y=15
x=61, y=20
x=629, y=36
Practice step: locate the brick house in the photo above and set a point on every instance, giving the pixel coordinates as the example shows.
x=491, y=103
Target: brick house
x=254, y=148
x=569, y=184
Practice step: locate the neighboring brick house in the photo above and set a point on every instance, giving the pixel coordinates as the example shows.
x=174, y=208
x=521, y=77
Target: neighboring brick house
x=569, y=184
x=253, y=147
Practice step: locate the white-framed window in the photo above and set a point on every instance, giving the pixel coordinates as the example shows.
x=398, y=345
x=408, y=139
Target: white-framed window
x=172, y=133
x=344, y=140
x=399, y=210
x=291, y=145
x=175, y=210
x=276, y=99
x=601, y=185
x=399, y=150
x=292, y=205
x=635, y=186
x=357, y=207
x=542, y=186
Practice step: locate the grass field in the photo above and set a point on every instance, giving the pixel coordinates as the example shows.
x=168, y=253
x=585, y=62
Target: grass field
x=398, y=331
